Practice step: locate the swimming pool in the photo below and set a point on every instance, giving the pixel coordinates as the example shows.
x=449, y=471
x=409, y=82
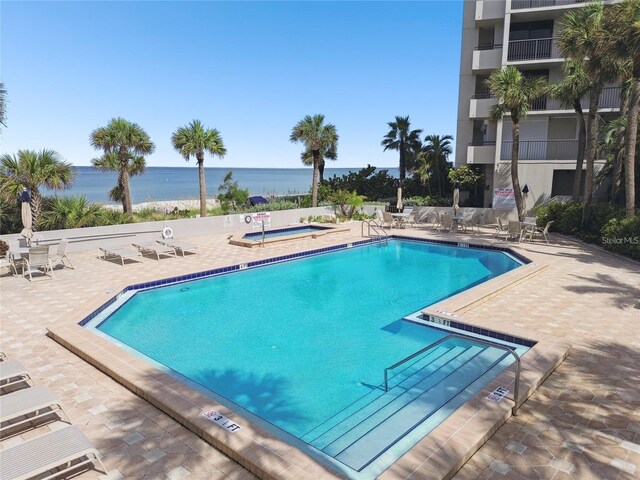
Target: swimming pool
x=284, y=232
x=303, y=345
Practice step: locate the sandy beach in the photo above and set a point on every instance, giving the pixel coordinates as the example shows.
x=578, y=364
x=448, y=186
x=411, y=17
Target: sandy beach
x=169, y=205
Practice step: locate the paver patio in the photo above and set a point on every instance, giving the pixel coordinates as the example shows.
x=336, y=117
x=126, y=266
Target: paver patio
x=584, y=422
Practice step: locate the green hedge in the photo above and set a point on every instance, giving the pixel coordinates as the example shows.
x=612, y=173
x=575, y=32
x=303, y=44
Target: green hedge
x=622, y=236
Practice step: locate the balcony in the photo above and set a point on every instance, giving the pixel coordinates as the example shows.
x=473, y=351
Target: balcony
x=480, y=105
x=609, y=99
x=481, y=153
x=487, y=58
x=535, y=49
x=522, y=4
x=542, y=150
x=489, y=10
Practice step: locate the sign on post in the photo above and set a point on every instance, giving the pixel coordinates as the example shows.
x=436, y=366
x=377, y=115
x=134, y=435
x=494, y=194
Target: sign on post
x=260, y=217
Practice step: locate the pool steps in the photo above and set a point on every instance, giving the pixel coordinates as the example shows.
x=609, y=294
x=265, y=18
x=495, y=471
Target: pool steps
x=368, y=427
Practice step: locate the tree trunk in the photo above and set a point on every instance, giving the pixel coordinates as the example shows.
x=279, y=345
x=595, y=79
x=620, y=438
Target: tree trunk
x=592, y=132
x=582, y=135
x=203, y=187
x=314, y=184
x=124, y=179
x=321, y=170
x=619, y=142
x=402, y=165
x=437, y=169
x=515, y=181
x=36, y=207
x=631, y=137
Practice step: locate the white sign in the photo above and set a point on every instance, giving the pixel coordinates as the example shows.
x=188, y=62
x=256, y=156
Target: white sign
x=498, y=394
x=504, y=199
x=223, y=421
x=260, y=217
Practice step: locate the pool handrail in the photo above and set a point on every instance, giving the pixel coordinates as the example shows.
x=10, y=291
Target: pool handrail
x=516, y=388
x=380, y=232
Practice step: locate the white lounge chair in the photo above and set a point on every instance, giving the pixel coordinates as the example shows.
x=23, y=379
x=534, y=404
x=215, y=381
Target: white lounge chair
x=27, y=405
x=153, y=248
x=64, y=450
x=37, y=261
x=12, y=373
x=179, y=245
x=123, y=253
x=60, y=256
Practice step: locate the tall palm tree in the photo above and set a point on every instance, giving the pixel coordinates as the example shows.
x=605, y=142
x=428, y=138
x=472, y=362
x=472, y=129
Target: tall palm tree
x=423, y=169
x=437, y=149
x=124, y=145
x=3, y=105
x=622, y=29
x=402, y=139
x=317, y=137
x=329, y=153
x=516, y=92
x=570, y=91
x=583, y=38
x=194, y=140
x=34, y=170
x=110, y=163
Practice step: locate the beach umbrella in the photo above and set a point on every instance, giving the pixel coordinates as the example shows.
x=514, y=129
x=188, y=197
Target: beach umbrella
x=456, y=199
x=27, y=218
x=399, y=204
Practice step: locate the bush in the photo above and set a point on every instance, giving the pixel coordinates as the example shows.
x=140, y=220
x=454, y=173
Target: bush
x=429, y=201
x=567, y=217
x=622, y=235
x=4, y=248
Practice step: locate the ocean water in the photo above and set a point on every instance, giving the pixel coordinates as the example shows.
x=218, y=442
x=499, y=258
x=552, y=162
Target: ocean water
x=181, y=183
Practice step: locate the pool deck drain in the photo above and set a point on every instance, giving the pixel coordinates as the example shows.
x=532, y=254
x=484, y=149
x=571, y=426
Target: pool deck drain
x=585, y=296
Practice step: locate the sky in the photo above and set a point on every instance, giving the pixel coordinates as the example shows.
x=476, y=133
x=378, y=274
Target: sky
x=251, y=70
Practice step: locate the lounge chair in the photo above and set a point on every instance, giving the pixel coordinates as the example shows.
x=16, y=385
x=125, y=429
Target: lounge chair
x=179, y=245
x=153, y=248
x=12, y=373
x=37, y=261
x=64, y=450
x=60, y=256
x=27, y=405
x=541, y=231
x=123, y=253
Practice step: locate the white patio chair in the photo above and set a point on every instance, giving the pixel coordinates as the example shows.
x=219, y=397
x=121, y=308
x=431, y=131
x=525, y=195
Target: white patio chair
x=446, y=223
x=38, y=261
x=541, y=231
x=60, y=255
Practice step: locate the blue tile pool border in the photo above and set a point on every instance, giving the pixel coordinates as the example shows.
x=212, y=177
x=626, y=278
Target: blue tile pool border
x=284, y=258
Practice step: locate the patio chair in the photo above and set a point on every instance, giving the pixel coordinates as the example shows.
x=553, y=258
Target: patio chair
x=470, y=221
x=179, y=245
x=62, y=450
x=501, y=228
x=123, y=253
x=387, y=219
x=514, y=230
x=541, y=231
x=446, y=222
x=411, y=217
x=38, y=261
x=13, y=373
x=28, y=405
x=60, y=255
x=153, y=248
x=436, y=220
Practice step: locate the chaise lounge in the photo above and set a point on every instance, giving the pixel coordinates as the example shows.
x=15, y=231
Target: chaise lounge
x=179, y=245
x=25, y=406
x=123, y=253
x=153, y=248
x=12, y=373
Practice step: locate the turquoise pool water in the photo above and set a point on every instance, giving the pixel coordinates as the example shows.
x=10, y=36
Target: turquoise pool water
x=304, y=344
x=284, y=232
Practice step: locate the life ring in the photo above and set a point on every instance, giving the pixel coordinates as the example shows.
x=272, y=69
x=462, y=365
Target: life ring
x=247, y=219
x=167, y=233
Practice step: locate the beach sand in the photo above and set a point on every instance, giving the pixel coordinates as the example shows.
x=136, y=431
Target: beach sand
x=168, y=206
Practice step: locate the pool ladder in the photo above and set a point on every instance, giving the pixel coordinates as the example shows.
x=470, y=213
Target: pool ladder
x=379, y=232
x=516, y=388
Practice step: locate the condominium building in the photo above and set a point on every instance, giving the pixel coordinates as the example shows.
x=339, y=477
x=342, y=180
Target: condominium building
x=520, y=33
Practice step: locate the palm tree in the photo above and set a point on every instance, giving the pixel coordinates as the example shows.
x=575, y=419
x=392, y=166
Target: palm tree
x=423, y=169
x=307, y=159
x=194, y=140
x=569, y=92
x=437, y=150
x=110, y=163
x=402, y=139
x=583, y=38
x=622, y=30
x=124, y=144
x=3, y=105
x=34, y=170
x=516, y=92
x=318, y=138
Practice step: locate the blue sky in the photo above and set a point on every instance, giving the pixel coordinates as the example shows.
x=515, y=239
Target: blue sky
x=249, y=69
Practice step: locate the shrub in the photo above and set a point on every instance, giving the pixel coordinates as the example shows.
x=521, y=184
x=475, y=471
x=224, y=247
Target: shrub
x=567, y=217
x=109, y=216
x=622, y=235
x=4, y=248
x=429, y=201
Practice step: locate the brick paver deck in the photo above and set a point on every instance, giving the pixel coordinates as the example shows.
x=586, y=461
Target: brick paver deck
x=584, y=422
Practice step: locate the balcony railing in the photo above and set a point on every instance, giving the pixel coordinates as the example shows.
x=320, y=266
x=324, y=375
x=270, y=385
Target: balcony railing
x=542, y=150
x=481, y=96
x=520, y=4
x=609, y=98
x=493, y=46
x=535, y=49
x=482, y=143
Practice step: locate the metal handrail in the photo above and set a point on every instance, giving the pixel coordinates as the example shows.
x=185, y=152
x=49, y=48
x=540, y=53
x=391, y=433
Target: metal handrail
x=378, y=230
x=516, y=388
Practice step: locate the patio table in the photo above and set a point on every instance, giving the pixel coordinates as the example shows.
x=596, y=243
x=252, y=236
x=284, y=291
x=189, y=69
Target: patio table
x=400, y=219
